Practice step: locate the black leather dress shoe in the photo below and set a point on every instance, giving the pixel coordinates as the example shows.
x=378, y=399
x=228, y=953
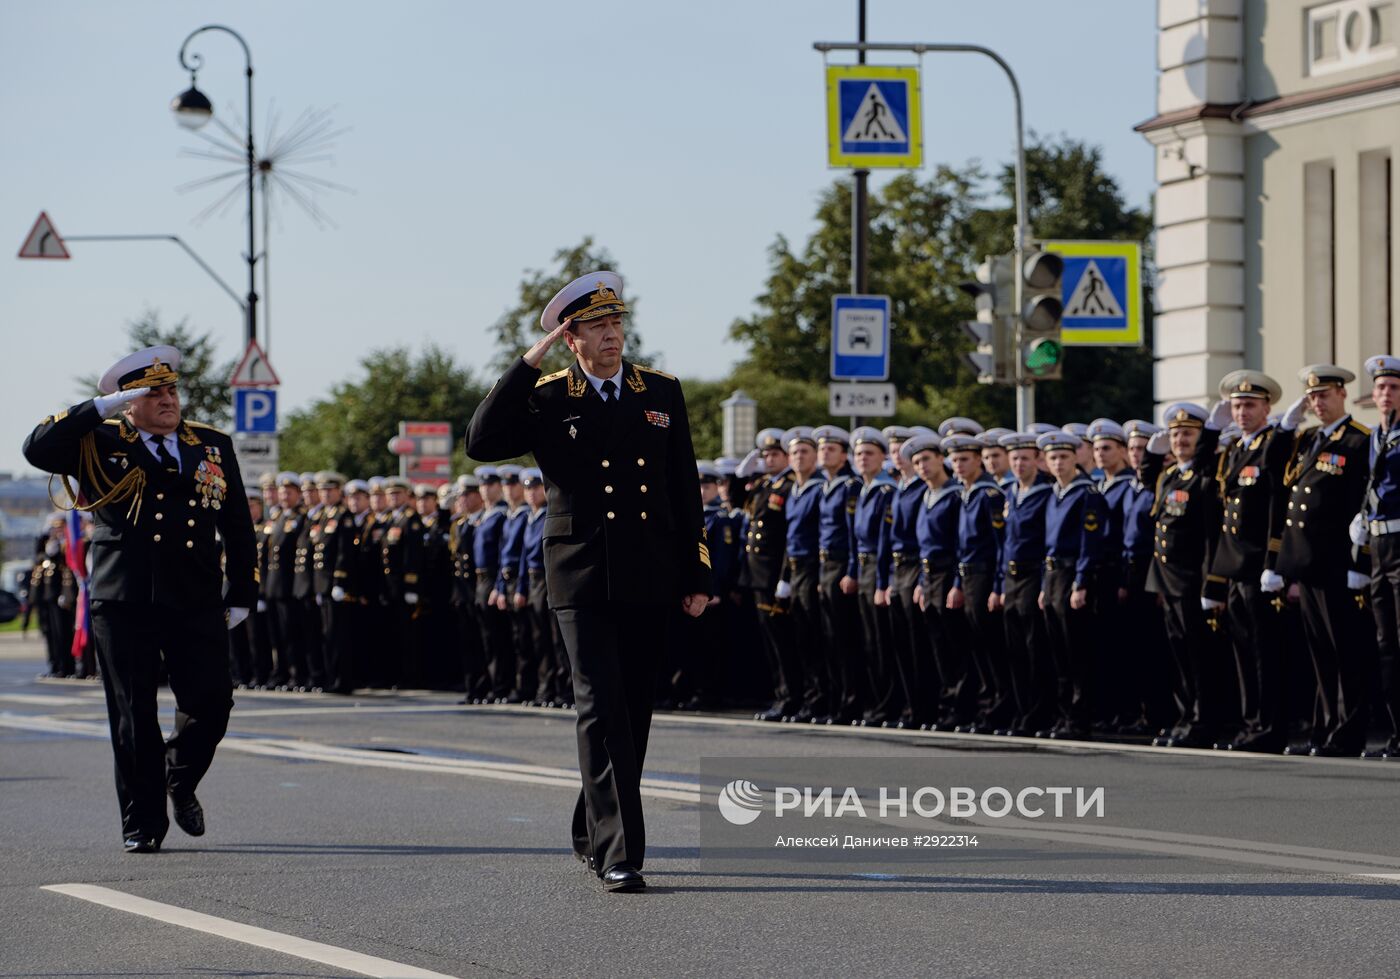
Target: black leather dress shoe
x=189, y=814
x=140, y=844
x=1306, y=748
x=1330, y=750
x=1071, y=734
x=623, y=879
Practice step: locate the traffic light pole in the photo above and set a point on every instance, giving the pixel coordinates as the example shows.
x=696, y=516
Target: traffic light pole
x=1025, y=388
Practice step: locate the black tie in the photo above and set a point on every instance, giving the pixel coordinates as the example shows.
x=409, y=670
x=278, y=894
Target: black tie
x=609, y=392
x=163, y=455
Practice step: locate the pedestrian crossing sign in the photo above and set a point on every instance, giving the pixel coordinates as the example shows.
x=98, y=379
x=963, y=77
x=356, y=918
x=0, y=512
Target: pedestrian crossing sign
x=873, y=117
x=1101, y=291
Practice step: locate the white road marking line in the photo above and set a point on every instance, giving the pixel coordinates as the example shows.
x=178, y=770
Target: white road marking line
x=331, y=955
x=1280, y=856
x=46, y=699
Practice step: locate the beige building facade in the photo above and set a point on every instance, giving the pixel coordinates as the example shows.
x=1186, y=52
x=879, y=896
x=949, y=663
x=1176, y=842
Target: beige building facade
x=1277, y=123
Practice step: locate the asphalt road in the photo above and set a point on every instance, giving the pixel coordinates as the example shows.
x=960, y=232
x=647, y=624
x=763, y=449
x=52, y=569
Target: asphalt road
x=404, y=835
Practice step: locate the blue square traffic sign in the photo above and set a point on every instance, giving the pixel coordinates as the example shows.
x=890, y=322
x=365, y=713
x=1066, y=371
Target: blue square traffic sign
x=255, y=410
x=860, y=338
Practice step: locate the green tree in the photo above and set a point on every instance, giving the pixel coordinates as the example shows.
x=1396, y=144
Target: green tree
x=926, y=236
x=204, y=390
x=349, y=431
x=519, y=327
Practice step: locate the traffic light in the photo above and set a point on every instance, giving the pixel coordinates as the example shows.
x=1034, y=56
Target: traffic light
x=993, y=331
x=1042, y=350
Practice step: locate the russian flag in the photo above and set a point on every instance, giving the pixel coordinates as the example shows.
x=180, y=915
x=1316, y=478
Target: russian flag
x=76, y=549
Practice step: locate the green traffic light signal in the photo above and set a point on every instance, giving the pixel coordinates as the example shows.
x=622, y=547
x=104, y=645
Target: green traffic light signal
x=1043, y=356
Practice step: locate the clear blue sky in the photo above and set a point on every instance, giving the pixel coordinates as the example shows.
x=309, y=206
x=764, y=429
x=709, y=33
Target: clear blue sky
x=484, y=136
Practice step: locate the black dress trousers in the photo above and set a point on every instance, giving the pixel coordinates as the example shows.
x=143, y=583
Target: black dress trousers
x=612, y=650
x=131, y=638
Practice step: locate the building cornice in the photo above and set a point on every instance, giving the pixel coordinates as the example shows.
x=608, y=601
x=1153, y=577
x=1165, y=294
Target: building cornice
x=1286, y=110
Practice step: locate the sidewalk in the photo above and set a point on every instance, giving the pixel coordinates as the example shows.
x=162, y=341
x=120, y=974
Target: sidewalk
x=16, y=646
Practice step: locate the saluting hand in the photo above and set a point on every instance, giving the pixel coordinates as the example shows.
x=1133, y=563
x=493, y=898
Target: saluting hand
x=108, y=405
x=535, y=355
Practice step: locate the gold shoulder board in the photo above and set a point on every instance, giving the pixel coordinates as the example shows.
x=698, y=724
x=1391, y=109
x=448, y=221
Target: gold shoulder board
x=1363, y=429
x=552, y=377
x=653, y=370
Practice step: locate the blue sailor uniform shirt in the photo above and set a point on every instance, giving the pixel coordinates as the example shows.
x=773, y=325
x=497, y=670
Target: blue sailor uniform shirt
x=938, y=527
x=904, y=507
x=722, y=535
x=981, y=526
x=804, y=517
x=1117, y=491
x=512, y=545
x=486, y=544
x=1074, y=523
x=872, y=522
x=531, y=549
x=1138, y=525
x=1384, y=503
x=837, y=526
x=1023, y=546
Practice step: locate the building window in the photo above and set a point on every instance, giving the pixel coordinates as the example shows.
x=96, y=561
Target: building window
x=1319, y=263
x=1348, y=34
x=1375, y=303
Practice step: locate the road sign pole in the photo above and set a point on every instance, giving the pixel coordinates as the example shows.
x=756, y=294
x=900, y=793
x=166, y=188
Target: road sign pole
x=860, y=209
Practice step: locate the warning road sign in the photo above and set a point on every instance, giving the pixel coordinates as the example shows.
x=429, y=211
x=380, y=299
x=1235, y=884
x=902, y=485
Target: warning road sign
x=873, y=116
x=1101, y=291
x=254, y=371
x=43, y=241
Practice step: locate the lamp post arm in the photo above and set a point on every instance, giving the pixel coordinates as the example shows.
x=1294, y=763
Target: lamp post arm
x=177, y=240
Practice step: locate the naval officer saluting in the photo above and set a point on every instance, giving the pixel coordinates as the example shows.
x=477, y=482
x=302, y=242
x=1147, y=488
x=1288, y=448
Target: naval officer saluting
x=172, y=567
x=623, y=540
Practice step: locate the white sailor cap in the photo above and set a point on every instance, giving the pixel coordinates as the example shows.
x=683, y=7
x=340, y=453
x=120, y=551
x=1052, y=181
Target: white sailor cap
x=920, y=430
x=728, y=466
x=1105, y=428
x=531, y=476
x=1076, y=428
x=961, y=443
x=1041, y=428
x=488, y=474
x=356, y=486
x=510, y=472
x=770, y=438
x=1058, y=439
x=447, y=492
x=1383, y=365
x=1137, y=428
x=869, y=435
x=958, y=425
x=424, y=489
x=923, y=442
x=150, y=367
x=1250, y=384
x=327, y=478
x=991, y=437
x=831, y=433
x=1018, y=440
x=586, y=298
x=707, y=472
x=392, y=483
x=288, y=479
x=1184, y=414
x=467, y=481
x=307, y=480
x=897, y=433
x=800, y=433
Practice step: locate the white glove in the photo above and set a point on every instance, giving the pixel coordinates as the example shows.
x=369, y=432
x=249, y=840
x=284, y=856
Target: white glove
x=262, y=605
x=320, y=600
x=1270, y=581
x=784, y=590
x=337, y=594
x=1159, y=443
x=1210, y=604
x=1293, y=417
x=236, y=616
x=751, y=466
x=1358, y=531
x=410, y=598
x=108, y=405
x=1219, y=415
x=1356, y=581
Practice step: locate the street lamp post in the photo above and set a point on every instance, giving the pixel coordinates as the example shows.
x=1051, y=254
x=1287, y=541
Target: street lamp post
x=192, y=110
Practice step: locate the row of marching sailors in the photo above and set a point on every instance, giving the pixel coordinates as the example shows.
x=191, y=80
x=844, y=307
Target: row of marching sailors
x=383, y=584
x=1201, y=587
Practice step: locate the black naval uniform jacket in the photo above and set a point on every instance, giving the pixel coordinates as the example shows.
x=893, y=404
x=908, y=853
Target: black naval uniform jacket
x=1324, y=486
x=1186, y=517
x=624, y=521
x=1250, y=477
x=765, y=538
x=282, y=535
x=161, y=538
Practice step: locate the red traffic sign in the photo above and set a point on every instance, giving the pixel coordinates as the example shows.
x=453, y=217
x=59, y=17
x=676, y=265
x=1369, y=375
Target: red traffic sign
x=254, y=370
x=43, y=240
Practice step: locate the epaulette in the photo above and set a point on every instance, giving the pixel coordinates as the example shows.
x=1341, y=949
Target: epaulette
x=653, y=370
x=552, y=377
x=1363, y=429
x=208, y=428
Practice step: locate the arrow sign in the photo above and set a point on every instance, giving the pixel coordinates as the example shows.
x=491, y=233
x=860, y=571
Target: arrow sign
x=861, y=399
x=43, y=241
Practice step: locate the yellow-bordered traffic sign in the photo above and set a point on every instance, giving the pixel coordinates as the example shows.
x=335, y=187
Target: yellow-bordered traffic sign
x=1101, y=291
x=873, y=117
